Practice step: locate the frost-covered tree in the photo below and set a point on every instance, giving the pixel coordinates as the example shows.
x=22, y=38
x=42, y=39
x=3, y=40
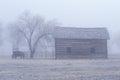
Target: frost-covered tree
x=31, y=28
x=1, y=34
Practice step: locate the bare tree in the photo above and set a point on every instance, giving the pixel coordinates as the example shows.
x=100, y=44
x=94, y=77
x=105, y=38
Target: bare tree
x=16, y=37
x=33, y=28
x=1, y=34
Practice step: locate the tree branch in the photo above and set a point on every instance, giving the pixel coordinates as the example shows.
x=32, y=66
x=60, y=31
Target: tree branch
x=36, y=42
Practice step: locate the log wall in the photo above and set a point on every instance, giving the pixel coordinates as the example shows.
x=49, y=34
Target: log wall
x=80, y=48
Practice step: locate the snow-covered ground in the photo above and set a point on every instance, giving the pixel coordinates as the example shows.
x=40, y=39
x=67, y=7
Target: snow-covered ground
x=60, y=69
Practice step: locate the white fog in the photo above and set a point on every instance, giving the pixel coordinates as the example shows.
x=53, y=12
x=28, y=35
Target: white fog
x=59, y=40
x=77, y=13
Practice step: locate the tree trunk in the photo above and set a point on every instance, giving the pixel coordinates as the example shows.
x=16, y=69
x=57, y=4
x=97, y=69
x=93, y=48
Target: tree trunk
x=32, y=52
x=31, y=55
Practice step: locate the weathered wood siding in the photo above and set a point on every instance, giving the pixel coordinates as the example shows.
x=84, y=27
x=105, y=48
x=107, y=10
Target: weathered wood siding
x=80, y=48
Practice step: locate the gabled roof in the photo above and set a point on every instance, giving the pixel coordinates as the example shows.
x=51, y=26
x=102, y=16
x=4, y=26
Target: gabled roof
x=81, y=33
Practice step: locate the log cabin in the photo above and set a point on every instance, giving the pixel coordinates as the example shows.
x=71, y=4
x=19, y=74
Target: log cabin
x=81, y=43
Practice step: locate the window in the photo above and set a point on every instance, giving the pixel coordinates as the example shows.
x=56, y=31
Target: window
x=92, y=50
x=68, y=49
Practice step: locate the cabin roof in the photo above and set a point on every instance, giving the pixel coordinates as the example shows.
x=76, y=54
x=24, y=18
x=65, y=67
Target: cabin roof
x=81, y=33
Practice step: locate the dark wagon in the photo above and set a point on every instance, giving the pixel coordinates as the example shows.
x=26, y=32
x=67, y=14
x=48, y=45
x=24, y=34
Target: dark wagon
x=18, y=54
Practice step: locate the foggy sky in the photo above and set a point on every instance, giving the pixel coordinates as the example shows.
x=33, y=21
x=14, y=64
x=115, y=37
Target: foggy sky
x=75, y=13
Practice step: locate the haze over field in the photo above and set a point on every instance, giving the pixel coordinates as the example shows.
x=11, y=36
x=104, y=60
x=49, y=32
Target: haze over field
x=73, y=13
